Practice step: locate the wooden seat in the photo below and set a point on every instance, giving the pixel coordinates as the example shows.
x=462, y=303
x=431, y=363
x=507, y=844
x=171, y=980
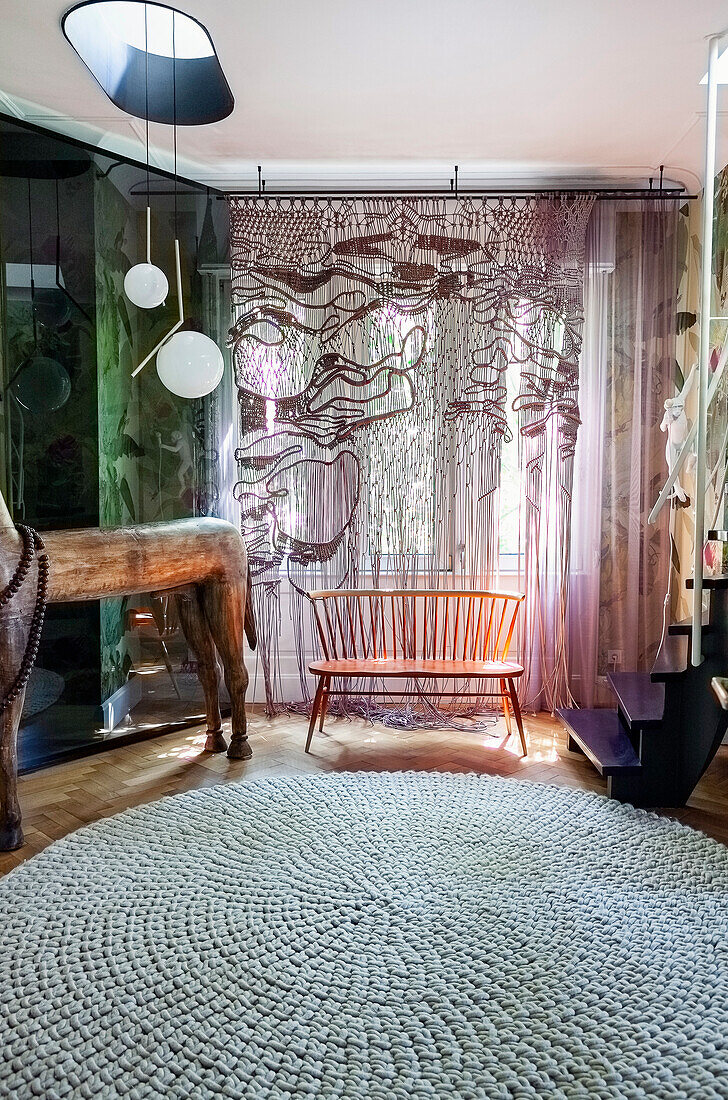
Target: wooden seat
x=413, y=668
x=422, y=634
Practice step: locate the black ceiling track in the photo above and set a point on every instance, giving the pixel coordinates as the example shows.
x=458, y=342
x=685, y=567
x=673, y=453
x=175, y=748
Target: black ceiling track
x=641, y=193
x=651, y=193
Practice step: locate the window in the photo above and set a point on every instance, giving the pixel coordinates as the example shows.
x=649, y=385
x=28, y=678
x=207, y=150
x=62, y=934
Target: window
x=388, y=374
x=416, y=443
x=510, y=549
x=394, y=345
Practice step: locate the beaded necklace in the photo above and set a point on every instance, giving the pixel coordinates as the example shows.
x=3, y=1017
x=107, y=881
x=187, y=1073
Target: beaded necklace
x=32, y=545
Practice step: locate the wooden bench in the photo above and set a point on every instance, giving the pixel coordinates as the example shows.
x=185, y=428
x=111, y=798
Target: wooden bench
x=421, y=634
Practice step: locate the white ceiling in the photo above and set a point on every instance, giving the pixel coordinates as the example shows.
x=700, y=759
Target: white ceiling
x=397, y=91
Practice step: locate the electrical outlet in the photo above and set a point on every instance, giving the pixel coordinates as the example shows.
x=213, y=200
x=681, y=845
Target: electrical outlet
x=614, y=658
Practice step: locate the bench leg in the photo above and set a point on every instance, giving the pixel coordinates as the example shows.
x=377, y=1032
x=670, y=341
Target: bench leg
x=324, y=702
x=506, y=709
x=315, y=710
x=517, y=716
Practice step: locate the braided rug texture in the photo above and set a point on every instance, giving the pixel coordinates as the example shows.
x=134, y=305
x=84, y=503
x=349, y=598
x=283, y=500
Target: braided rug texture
x=371, y=935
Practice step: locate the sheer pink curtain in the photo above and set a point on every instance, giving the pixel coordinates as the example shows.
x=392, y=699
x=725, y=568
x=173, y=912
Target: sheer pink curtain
x=619, y=563
x=586, y=520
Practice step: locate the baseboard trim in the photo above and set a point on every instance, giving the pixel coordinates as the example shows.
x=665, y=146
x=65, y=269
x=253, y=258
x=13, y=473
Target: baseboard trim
x=117, y=706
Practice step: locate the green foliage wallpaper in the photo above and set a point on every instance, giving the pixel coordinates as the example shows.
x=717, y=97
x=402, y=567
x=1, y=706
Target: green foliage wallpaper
x=84, y=444
x=165, y=486
x=118, y=430
x=147, y=438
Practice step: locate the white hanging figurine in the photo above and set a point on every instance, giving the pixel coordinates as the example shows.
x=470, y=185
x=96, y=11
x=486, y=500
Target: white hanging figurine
x=181, y=447
x=677, y=426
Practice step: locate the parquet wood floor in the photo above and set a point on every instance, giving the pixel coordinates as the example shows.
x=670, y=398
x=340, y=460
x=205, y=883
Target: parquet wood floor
x=59, y=799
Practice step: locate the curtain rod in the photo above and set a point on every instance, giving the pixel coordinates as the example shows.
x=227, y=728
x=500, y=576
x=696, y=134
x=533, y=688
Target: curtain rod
x=653, y=194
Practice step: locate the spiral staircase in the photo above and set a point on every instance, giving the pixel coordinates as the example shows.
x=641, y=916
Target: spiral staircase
x=653, y=746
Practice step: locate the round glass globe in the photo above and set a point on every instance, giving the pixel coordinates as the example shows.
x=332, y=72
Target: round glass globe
x=146, y=286
x=42, y=385
x=190, y=364
x=51, y=307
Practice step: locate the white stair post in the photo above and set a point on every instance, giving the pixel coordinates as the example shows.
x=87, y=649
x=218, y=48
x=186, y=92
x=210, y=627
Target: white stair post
x=696, y=655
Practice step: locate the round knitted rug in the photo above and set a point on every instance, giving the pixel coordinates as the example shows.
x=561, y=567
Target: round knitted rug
x=369, y=935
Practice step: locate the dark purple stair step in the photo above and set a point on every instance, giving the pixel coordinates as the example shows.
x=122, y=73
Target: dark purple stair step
x=603, y=738
x=685, y=626
x=721, y=581
x=641, y=701
x=672, y=659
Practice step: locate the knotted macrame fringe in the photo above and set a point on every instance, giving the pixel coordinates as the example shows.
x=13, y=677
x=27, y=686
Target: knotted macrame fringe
x=371, y=346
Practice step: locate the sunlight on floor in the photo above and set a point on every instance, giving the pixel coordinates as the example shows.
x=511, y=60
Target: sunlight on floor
x=192, y=747
x=58, y=800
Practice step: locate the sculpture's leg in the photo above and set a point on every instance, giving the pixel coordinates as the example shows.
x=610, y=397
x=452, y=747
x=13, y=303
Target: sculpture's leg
x=11, y=833
x=224, y=605
x=196, y=631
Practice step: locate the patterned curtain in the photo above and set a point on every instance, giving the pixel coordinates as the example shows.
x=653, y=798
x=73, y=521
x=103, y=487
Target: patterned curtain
x=371, y=346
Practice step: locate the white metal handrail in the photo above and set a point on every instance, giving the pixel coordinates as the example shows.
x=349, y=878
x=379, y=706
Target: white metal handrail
x=706, y=391
x=696, y=654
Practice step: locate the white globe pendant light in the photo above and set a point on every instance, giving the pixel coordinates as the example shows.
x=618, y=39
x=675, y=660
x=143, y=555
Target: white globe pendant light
x=146, y=285
x=190, y=364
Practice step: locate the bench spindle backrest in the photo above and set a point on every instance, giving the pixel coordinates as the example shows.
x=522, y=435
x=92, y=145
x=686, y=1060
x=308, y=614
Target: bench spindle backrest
x=426, y=624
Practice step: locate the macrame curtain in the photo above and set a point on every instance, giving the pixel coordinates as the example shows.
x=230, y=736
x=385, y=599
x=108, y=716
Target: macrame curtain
x=370, y=348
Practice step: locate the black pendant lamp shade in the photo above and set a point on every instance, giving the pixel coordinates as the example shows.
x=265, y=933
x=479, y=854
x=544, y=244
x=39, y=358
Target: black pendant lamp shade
x=150, y=64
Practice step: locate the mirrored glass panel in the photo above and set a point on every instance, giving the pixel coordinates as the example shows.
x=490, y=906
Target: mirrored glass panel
x=84, y=444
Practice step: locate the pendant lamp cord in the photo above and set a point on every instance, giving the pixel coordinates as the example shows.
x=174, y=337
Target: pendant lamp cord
x=32, y=274
x=146, y=126
x=146, y=91
x=174, y=117
x=58, y=237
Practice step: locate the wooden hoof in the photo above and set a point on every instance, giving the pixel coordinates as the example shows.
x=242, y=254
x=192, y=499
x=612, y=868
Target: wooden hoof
x=11, y=838
x=240, y=749
x=215, y=741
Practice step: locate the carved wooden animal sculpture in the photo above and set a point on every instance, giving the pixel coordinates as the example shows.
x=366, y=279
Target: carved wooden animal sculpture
x=203, y=561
